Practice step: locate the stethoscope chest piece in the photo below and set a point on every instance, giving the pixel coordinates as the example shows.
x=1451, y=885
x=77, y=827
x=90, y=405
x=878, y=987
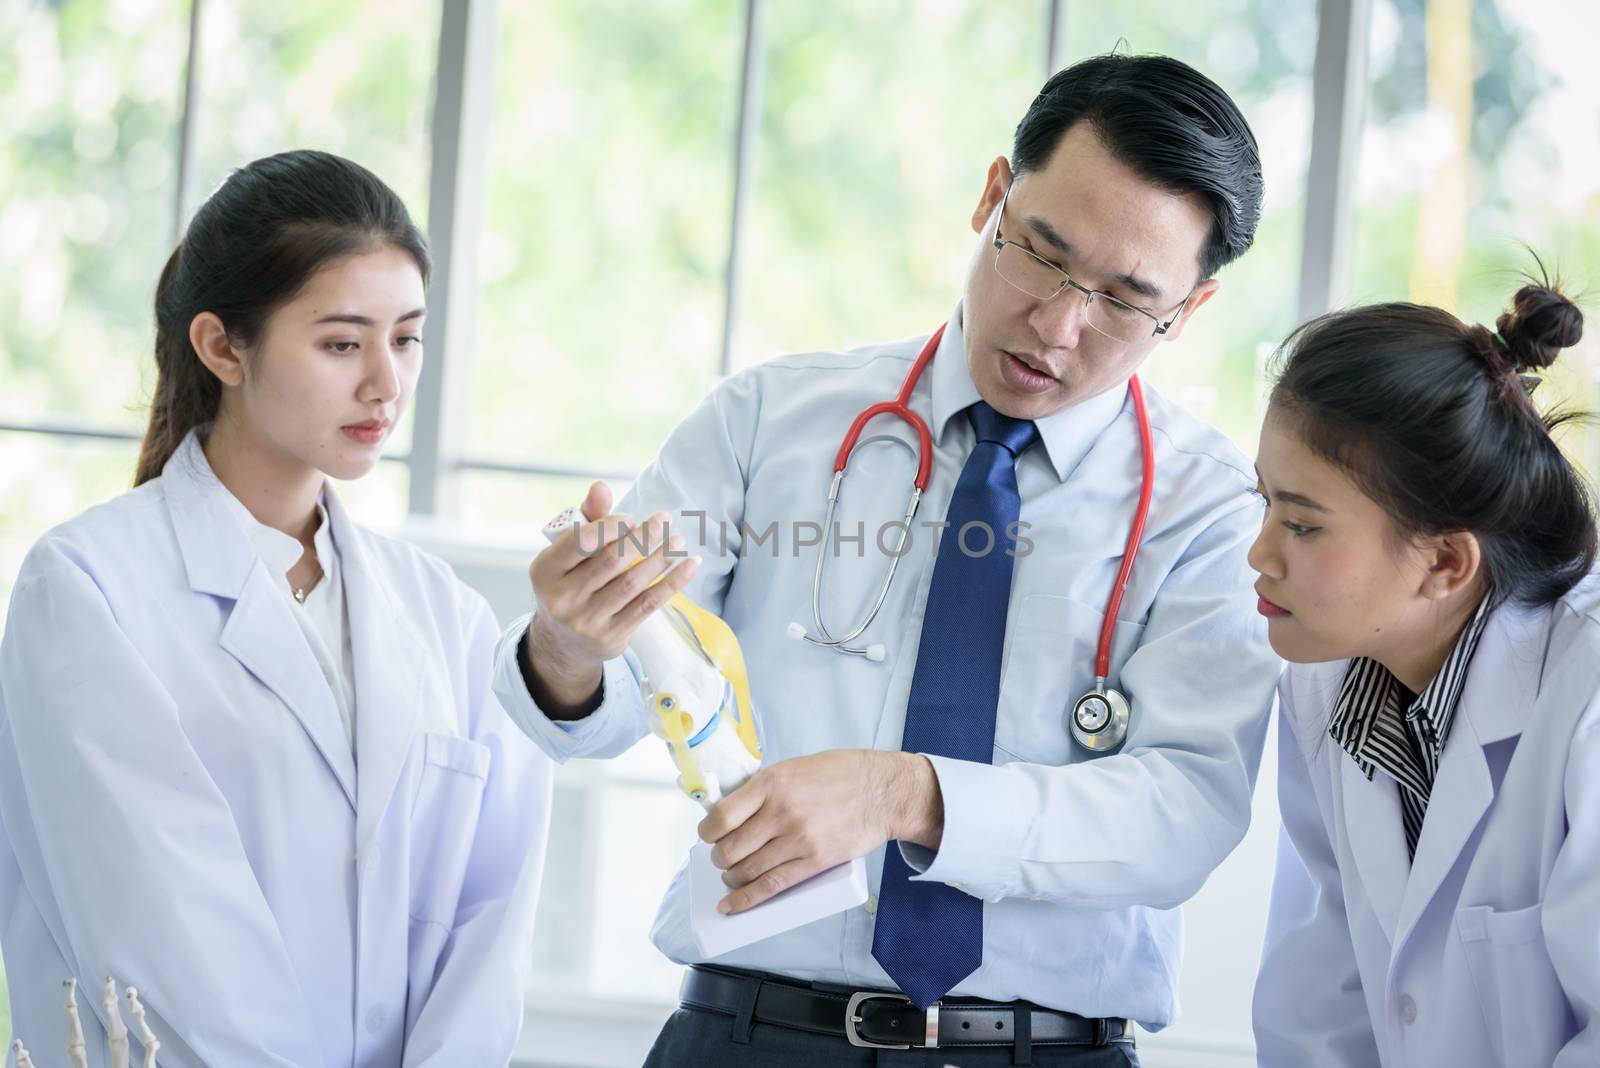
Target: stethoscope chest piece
x=1099, y=719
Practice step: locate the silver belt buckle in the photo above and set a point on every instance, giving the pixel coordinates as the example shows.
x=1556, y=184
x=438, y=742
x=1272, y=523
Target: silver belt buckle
x=930, y=1022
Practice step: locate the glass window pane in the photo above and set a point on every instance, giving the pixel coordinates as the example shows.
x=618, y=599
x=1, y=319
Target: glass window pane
x=878, y=124
x=613, y=849
x=1481, y=144
x=379, y=498
x=89, y=104
x=1262, y=55
x=605, y=230
x=47, y=480
x=355, y=79
x=560, y=931
x=643, y=838
x=516, y=507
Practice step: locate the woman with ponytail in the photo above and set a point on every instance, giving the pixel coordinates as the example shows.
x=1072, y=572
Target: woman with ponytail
x=1424, y=564
x=250, y=761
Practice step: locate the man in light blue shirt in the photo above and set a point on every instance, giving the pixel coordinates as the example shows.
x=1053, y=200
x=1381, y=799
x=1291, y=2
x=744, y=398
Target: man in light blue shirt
x=1053, y=874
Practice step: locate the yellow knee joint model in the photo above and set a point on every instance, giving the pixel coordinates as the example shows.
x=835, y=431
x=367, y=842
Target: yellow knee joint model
x=696, y=692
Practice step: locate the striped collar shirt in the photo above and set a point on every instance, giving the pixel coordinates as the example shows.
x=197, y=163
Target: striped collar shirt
x=1381, y=724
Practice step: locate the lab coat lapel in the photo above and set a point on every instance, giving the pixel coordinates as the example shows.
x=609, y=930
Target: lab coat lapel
x=260, y=632
x=263, y=636
x=388, y=659
x=1376, y=835
x=1502, y=684
x=1461, y=795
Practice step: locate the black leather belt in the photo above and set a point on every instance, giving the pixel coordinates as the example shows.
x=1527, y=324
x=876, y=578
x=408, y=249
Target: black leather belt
x=886, y=1020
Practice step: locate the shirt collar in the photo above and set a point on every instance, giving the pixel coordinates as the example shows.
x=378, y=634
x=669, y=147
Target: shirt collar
x=279, y=551
x=1437, y=701
x=1368, y=717
x=1068, y=435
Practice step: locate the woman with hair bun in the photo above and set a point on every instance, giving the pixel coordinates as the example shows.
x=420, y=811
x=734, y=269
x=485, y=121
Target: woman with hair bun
x=1425, y=562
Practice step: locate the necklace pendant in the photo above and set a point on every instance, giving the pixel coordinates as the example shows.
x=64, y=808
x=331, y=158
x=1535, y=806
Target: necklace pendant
x=300, y=595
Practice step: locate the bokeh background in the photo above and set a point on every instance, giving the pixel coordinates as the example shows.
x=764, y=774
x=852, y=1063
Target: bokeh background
x=617, y=239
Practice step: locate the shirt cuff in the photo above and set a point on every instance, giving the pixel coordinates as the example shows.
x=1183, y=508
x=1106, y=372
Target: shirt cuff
x=564, y=738
x=987, y=816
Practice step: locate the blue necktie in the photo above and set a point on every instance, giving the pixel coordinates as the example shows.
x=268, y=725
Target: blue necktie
x=929, y=936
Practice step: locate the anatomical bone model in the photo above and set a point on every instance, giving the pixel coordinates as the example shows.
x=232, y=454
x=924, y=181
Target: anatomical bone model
x=116, y=1030
x=696, y=692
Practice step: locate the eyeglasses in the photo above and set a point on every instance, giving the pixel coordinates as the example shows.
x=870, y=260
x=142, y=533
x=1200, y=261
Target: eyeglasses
x=1043, y=280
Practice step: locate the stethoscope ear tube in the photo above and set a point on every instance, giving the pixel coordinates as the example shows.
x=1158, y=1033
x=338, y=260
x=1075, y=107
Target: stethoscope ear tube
x=875, y=651
x=899, y=408
x=1098, y=721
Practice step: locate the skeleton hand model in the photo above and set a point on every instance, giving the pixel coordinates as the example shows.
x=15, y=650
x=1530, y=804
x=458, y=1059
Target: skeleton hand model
x=116, y=1031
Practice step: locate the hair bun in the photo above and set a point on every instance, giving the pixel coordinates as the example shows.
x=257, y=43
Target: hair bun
x=1539, y=325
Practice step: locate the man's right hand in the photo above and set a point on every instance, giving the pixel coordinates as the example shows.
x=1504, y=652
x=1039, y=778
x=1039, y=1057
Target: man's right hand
x=592, y=589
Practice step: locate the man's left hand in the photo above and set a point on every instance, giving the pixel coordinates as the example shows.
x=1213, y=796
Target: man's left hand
x=800, y=817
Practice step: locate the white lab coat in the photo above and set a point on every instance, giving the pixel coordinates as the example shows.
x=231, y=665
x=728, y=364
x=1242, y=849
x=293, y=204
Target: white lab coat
x=1486, y=949
x=182, y=810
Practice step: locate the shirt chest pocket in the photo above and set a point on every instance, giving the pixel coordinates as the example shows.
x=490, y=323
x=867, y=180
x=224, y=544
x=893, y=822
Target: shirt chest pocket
x=1524, y=1008
x=444, y=817
x=1049, y=664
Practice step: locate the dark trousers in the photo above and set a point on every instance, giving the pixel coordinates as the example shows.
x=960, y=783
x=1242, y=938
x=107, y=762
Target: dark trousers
x=696, y=1039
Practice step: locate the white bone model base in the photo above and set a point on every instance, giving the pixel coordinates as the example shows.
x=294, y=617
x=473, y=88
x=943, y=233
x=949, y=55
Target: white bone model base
x=116, y=1030
x=697, y=696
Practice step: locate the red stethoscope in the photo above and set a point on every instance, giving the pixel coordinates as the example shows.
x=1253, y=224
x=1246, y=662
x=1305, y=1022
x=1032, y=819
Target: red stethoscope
x=1099, y=719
